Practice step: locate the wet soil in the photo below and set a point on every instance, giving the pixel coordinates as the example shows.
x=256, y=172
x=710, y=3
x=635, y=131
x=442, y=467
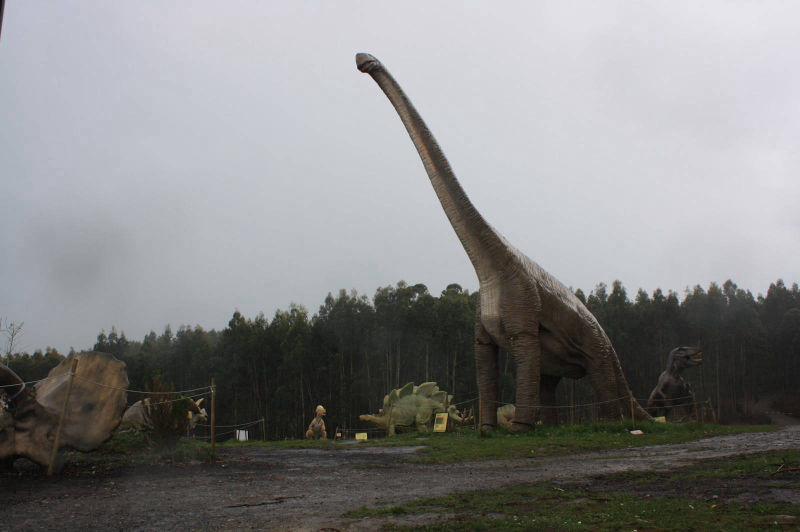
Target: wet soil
x=310, y=489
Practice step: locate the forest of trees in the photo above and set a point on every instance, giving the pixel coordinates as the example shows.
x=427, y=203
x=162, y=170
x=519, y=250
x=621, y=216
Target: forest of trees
x=354, y=350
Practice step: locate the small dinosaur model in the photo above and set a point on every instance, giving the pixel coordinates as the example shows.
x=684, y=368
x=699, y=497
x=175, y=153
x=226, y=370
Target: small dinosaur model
x=522, y=308
x=29, y=421
x=316, y=429
x=413, y=406
x=134, y=416
x=505, y=416
x=672, y=395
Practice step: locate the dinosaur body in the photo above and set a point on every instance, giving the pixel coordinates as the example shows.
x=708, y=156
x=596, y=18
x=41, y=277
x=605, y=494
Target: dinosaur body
x=522, y=308
x=316, y=429
x=671, y=397
x=413, y=407
x=96, y=402
x=505, y=416
x=134, y=417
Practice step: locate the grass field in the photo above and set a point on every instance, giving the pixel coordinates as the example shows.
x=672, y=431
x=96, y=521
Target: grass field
x=466, y=445
x=130, y=449
x=625, y=501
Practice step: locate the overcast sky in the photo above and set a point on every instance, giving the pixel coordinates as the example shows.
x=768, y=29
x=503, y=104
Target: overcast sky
x=171, y=162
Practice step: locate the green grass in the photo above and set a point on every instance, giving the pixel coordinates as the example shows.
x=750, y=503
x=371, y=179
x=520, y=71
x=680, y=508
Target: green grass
x=468, y=445
x=754, y=467
x=129, y=448
x=559, y=440
x=552, y=508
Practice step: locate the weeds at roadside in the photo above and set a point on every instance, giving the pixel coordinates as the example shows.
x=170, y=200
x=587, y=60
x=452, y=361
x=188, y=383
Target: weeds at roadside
x=132, y=449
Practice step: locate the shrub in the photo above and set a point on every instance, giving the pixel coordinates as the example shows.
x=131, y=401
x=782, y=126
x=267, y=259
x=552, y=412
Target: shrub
x=165, y=414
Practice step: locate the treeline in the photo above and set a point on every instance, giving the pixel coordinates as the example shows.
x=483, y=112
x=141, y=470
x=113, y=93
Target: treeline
x=353, y=350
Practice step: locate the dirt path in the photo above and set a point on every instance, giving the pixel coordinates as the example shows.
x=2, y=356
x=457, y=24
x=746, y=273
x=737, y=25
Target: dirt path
x=310, y=489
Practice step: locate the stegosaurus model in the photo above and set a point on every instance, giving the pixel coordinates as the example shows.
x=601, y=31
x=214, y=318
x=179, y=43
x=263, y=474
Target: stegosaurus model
x=413, y=406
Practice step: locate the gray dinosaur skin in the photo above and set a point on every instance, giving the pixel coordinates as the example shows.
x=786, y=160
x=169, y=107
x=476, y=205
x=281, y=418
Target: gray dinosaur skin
x=522, y=308
x=671, y=389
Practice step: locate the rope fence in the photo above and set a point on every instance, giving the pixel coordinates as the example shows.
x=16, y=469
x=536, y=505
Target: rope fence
x=686, y=406
x=566, y=413
x=102, y=385
x=237, y=426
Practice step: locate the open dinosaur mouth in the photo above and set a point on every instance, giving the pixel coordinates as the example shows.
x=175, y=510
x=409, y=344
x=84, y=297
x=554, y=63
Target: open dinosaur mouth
x=697, y=357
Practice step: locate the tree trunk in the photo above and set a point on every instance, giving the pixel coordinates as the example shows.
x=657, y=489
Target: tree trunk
x=302, y=399
x=455, y=363
x=427, y=360
x=719, y=411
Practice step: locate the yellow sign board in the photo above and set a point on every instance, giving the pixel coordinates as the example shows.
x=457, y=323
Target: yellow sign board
x=361, y=435
x=660, y=419
x=440, y=425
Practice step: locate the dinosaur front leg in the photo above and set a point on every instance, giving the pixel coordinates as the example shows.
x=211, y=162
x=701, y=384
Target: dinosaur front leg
x=527, y=352
x=486, y=371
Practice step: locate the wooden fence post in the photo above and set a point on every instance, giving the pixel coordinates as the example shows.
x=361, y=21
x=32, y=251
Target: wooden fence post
x=213, y=419
x=572, y=401
x=713, y=412
x=478, y=419
x=696, y=409
x=61, y=417
x=264, y=430
x=633, y=411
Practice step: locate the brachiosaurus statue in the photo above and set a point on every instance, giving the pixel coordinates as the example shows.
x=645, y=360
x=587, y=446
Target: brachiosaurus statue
x=522, y=308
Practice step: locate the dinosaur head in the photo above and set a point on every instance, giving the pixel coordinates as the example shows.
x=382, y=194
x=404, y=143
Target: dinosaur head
x=367, y=63
x=684, y=357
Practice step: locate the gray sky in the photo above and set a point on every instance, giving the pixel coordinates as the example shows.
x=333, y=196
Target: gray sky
x=171, y=162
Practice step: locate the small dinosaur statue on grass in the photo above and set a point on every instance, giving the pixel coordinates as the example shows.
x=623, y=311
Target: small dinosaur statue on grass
x=672, y=395
x=316, y=429
x=522, y=308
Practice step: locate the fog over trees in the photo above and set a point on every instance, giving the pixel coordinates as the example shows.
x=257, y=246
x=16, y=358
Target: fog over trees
x=354, y=349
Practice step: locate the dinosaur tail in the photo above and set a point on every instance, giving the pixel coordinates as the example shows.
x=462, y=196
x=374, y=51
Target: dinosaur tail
x=625, y=392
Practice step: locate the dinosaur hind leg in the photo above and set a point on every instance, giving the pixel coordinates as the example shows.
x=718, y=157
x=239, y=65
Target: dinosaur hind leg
x=605, y=384
x=548, y=399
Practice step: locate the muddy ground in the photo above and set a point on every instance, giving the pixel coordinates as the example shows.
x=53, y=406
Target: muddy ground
x=310, y=489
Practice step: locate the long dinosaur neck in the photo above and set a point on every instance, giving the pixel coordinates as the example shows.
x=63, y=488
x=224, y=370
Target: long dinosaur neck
x=484, y=246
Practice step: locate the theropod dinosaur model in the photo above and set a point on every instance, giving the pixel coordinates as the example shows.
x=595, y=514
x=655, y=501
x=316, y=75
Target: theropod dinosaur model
x=672, y=395
x=316, y=429
x=522, y=308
